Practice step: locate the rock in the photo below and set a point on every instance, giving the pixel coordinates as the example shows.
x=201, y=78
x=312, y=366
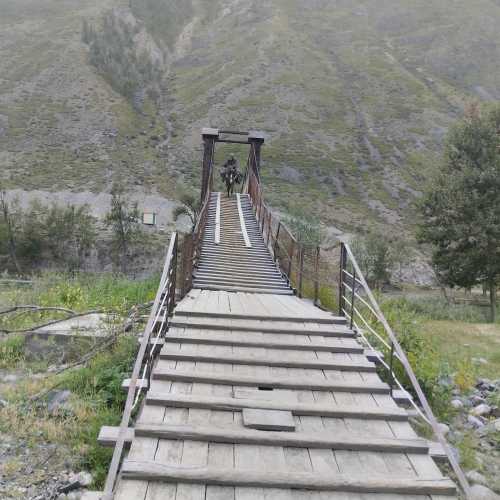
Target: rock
x=74, y=484
x=56, y=399
x=85, y=478
x=495, y=412
x=476, y=478
x=443, y=428
x=480, y=492
x=457, y=404
x=480, y=361
x=481, y=410
x=496, y=425
x=477, y=400
x=475, y=422
x=3, y=403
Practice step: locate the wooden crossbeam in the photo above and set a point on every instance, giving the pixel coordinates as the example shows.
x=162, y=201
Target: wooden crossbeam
x=155, y=471
x=236, y=404
x=306, y=383
x=322, y=440
x=217, y=338
x=362, y=365
x=267, y=327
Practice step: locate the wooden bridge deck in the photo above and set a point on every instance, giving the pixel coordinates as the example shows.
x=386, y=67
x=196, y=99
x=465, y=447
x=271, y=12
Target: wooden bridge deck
x=231, y=262
x=257, y=394
x=230, y=353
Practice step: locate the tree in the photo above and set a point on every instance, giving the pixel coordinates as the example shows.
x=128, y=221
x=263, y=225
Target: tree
x=70, y=234
x=461, y=208
x=9, y=228
x=190, y=206
x=305, y=228
x=123, y=220
x=379, y=257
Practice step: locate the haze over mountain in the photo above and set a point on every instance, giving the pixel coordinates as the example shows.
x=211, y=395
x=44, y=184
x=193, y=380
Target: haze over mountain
x=355, y=97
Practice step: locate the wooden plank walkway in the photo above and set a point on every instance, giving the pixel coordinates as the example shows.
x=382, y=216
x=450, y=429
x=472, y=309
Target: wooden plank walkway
x=231, y=351
x=234, y=256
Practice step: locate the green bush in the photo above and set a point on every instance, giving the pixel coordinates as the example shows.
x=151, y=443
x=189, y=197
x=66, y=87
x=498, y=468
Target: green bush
x=98, y=385
x=12, y=351
x=429, y=368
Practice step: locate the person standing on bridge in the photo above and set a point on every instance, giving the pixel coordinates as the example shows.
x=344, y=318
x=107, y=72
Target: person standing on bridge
x=230, y=174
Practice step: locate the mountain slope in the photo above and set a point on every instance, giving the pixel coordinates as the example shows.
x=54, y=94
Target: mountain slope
x=355, y=97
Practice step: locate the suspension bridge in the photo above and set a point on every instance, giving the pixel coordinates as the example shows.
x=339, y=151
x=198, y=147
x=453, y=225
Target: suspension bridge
x=242, y=389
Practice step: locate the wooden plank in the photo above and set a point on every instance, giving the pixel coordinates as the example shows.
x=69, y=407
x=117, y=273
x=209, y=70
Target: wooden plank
x=276, y=360
x=280, y=315
x=217, y=221
x=314, y=409
x=270, y=438
x=242, y=222
x=108, y=435
x=268, y=420
x=251, y=325
x=155, y=471
x=142, y=383
x=295, y=382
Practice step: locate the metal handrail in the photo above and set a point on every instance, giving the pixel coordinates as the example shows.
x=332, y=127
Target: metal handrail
x=347, y=256
x=165, y=297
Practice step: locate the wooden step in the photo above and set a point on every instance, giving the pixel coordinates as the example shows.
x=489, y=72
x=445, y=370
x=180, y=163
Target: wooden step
x=300, y=409
x=272, y=291
x=308, y=383
x=320, y=440
x=284, y=326
x=282, y=359
x=209, y=475
x=214, y=337
x=280, y=285
x=206, y=269
x=277, y=279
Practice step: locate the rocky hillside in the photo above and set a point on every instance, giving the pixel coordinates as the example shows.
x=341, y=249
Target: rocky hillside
x=355, y=96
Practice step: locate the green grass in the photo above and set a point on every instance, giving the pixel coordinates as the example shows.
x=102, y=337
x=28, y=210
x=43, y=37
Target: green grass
x=97, y=398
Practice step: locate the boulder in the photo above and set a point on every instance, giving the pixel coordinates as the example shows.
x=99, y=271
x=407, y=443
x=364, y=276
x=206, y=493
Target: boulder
x=480, y=492
x=57, y=399
x=476, y=478
x=457, y=404
x=475, y=422
x=481, y=410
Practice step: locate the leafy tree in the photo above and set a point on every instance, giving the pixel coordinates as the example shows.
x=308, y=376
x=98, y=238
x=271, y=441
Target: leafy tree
x=190, y=206
x=8, y=230
x=306, y=228
x=461, y=208
x=379, y=257
x=123, y=220
x=70, y=234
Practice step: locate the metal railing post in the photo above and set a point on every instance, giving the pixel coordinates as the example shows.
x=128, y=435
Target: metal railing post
x=352, y=297
x=316, y=276
x=343, y=259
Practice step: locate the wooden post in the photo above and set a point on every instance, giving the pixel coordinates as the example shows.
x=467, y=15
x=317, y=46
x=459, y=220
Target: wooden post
x=343, y=261
x=316, y=276
x=187, y=264
x=301, y=268
x=256, y=140
x=276, y=240
x=210, y=136
x=290, y=258
x=269, y=229
x=352, y=296
x=173, y=277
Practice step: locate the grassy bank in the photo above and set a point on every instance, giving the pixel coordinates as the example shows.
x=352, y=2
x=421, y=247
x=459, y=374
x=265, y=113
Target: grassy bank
x=95, y=397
